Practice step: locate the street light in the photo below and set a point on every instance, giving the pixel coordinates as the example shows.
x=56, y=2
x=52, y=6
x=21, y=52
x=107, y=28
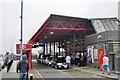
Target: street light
x=21, y=38
x=99, y=37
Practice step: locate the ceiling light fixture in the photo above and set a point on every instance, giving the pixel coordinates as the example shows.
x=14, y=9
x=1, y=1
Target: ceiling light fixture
x=51, y=32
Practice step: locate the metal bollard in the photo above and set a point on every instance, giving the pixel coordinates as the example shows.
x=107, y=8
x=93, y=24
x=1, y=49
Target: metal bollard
x=31, y=76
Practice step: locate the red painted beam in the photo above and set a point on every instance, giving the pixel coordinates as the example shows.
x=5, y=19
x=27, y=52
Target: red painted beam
x=63, y=24
x=68, y=29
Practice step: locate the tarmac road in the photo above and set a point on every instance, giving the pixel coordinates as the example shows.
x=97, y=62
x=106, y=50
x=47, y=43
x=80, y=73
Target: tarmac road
x=42, y=72
x=48, y=73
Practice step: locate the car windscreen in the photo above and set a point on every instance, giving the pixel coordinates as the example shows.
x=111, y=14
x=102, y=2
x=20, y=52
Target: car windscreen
x=50, y=58
x=60, y=60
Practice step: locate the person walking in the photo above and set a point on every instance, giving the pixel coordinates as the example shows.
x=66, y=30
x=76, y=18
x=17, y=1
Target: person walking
x=9, y=65
x=106, y=64
x=80, y=60
x=68, y=60
x=22, y=68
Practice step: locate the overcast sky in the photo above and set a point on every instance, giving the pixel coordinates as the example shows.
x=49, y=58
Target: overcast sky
x=37, y=11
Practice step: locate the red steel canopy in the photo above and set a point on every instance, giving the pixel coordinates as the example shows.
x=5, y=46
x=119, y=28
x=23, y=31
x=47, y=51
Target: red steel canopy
x=59, y=28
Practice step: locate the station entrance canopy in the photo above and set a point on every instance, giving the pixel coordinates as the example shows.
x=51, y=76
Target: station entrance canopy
x=58, y=28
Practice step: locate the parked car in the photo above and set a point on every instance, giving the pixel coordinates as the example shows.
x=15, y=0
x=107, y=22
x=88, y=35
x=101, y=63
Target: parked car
x=60, y=63
x=51, y=62
x=1, y=62
x=48, y=61
x=42, y=60
x=39, y=57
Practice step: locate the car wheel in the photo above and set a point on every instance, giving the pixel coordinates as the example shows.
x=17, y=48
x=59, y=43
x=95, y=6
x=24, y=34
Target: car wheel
x=3, y=67
x=52, y=66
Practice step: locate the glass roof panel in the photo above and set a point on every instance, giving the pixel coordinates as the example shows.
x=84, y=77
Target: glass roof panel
x=96, y=26
x=114, y=24
x=105, y=25
x=101, y=25
x=109, y=24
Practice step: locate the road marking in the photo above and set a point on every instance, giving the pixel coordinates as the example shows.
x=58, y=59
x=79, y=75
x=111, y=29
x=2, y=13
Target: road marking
x=64, y=73
x=36, y=73
x=89, y=72
x=39, y=74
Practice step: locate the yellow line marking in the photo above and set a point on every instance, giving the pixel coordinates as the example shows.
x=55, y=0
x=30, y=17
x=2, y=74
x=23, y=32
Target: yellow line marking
x=88, y=73
x=39, y=74
x=36, y=73
x=97, y=76
x=64, y=73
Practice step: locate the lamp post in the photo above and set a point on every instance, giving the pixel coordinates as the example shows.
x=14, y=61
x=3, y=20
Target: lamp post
x=21, y=37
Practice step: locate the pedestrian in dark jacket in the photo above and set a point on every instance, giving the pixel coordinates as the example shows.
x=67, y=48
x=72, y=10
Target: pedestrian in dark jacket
x=22, y=68
x=9, y=65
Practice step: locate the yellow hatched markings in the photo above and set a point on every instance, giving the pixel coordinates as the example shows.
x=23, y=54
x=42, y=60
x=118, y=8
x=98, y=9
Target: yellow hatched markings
x=39, y=74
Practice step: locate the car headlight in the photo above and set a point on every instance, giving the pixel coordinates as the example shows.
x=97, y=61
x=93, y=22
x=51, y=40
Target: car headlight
x=50, y=63
x=59, y=64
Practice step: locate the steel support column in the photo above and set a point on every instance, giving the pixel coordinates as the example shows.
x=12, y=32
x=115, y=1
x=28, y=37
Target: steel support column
x=50, y=47
x=59, y=47
x=44, y=49
x=74, y=44
x=54, y=47
x=65, y=47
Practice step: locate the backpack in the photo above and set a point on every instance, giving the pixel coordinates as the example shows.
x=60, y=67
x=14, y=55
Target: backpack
x=22, y=65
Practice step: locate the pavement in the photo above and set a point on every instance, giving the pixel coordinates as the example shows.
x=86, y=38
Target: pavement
x=97, y=72
x=12, y=73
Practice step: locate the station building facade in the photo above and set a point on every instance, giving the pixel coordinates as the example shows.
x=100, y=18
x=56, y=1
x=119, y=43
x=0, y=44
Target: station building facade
x=104, y=41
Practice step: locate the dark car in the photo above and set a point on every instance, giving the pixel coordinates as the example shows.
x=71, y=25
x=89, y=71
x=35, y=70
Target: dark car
x=59, y=62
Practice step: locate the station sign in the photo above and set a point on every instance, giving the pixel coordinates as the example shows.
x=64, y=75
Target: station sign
x=24, y=46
